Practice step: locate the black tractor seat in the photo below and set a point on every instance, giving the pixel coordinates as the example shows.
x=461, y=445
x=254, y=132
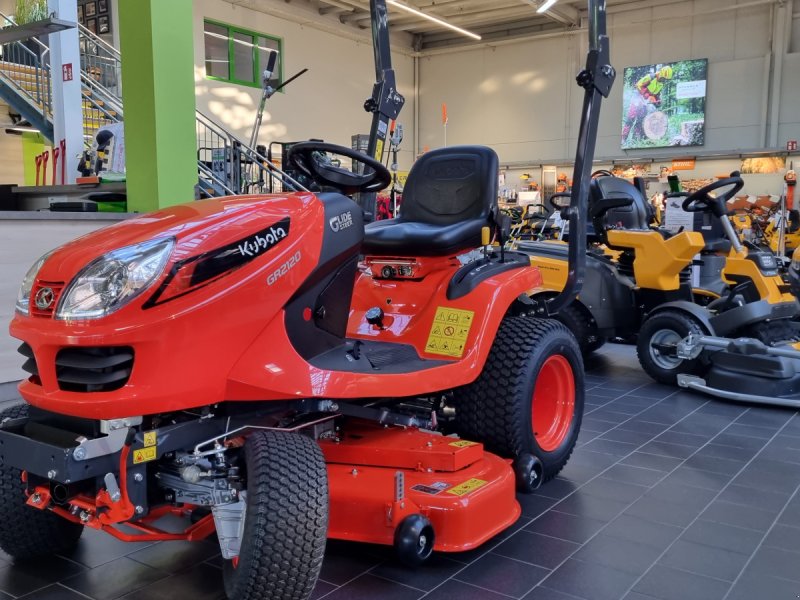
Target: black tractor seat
x=449, y=196
x=615, y=203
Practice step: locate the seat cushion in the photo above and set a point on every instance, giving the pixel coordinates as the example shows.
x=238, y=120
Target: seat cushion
x=394, y=237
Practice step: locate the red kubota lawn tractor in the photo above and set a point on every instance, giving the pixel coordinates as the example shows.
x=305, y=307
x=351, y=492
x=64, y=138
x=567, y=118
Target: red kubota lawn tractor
x=264, y=368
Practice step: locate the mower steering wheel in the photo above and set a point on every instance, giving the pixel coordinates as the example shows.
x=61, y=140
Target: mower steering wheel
x=701, y=200
x=311, y=159
x=602, y=173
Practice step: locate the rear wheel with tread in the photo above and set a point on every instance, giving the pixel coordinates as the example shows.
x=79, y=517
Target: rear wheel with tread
x=658, y=338
x=286, y=519
x=27, y=532
x=772, y=333
x=582, y=326
x=529, y=397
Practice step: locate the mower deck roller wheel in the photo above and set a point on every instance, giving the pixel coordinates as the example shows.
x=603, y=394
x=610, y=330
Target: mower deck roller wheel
x=27, y=532
x=660, y=332
x=528, y=400
x=414, y=539
x=286, y=519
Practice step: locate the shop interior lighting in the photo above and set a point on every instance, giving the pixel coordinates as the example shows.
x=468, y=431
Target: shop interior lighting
x=433, y=19
x=547, y=4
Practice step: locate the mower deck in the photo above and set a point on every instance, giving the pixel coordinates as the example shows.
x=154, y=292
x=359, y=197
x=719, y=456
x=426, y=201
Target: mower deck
x=379, y=476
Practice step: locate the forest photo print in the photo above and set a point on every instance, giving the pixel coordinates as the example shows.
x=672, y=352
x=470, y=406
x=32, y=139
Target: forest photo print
x=664, y=105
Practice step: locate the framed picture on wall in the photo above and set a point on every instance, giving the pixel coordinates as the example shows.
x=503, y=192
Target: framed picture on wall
x=102, y=24
x=90, y=9
x=80, y=13
x=102, y=6
x=91, y=25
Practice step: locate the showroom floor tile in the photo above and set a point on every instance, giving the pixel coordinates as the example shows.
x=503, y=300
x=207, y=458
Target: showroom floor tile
x=670, y=495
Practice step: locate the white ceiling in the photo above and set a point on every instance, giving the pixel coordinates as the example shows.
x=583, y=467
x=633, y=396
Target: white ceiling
x=492, y=19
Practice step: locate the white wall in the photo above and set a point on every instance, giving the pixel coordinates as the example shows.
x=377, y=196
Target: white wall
x=21, y=244
x=11, y=165
x=327, y=102
x=522, y=98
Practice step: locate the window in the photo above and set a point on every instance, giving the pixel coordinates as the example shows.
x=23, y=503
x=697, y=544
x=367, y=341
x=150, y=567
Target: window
x=239, y=56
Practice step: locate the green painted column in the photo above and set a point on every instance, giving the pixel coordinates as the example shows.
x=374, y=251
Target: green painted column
x=157, y=45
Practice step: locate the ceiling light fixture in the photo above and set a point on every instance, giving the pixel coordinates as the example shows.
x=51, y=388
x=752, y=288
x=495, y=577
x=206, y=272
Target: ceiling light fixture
x=436, y=20
x=546, y=5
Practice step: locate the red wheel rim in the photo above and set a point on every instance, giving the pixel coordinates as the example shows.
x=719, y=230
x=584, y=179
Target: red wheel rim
x=553, y=403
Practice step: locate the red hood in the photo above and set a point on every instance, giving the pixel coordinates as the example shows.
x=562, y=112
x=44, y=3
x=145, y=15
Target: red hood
x=197, y=227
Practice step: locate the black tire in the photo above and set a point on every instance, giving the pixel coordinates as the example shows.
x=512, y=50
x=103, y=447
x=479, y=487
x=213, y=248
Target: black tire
x=580, y=322
x=27, y=532
x=667, y=327
x=498, y=408
x=286, y=520
x=772, y=333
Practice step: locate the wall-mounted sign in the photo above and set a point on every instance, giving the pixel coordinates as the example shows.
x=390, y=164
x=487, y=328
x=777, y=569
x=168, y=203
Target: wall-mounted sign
x=664, y=105
x=683, y=164
x=791, y=145
x=66, y=72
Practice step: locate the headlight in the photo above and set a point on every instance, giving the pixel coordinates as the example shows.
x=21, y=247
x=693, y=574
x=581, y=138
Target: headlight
x=24, y=295
x=113, y=280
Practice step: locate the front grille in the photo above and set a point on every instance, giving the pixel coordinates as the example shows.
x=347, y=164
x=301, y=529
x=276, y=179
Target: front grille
x=29, y=366
x=49, y=291
x=100, y=369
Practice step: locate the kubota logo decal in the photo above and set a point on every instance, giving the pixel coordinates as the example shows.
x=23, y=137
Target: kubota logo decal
x=262, y=241
x=342, y=221
x=44, y=298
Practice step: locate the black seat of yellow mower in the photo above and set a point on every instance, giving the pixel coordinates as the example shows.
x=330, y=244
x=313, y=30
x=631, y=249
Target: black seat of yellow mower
x=449, y=196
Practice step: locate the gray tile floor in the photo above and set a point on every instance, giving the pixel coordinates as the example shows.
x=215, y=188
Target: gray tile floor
x=670, y=495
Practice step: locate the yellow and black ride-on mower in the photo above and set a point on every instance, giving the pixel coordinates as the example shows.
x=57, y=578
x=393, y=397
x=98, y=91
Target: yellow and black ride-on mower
x=738, y=347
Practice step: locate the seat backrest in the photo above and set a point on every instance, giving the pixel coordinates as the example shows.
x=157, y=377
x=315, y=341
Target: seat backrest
x=637, y=215
x=451, y=185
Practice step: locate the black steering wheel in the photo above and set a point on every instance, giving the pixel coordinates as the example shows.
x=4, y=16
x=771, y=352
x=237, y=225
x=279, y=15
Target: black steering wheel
x=312, y=160
x=602, y=173
x=701, y=200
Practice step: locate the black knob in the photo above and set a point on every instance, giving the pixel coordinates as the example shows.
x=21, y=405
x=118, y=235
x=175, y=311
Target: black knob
x=375, y=316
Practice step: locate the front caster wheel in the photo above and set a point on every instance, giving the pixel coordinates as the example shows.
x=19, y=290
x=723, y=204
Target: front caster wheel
x=414, y=539
x=286, y=519
x=528, y=398
x=658, y=345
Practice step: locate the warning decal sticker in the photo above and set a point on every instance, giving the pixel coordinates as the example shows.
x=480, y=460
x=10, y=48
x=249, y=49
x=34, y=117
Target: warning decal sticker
x=449, y=331
x=469, y=486
x=144, y=454
x=149, y=438
x=463, y=444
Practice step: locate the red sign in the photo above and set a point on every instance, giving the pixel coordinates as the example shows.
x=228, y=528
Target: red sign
x=791, y=145
x=66, y=72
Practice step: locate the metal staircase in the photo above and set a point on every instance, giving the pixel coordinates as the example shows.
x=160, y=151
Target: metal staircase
x=225, y=165
x=25, y=85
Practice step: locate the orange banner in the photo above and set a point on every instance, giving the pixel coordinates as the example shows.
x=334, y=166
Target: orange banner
x=444, y=113
x=683, y=164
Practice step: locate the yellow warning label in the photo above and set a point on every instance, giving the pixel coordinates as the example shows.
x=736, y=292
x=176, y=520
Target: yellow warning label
x=463, y=444
x=379, y=150
x=469, y=486
x=449, y=331
x=149, y=438
x=144, y=455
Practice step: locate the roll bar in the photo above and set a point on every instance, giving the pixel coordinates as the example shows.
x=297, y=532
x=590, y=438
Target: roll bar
x=385, y=103
x=596, y=79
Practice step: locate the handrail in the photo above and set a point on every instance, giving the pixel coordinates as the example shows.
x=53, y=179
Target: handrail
x=100, y=41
